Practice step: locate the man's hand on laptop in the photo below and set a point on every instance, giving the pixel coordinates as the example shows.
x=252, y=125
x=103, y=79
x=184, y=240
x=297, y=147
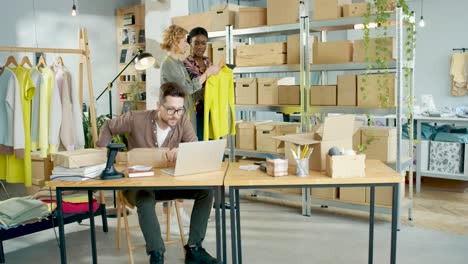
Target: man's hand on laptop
x=172, y=155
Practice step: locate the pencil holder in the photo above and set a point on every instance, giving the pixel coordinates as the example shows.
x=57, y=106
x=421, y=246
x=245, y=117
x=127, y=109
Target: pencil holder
x=302, y=167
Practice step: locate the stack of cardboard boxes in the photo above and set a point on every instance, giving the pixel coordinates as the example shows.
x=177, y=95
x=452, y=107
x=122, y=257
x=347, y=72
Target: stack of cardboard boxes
x=258, y=135
x=41, y=171
x=266, y=91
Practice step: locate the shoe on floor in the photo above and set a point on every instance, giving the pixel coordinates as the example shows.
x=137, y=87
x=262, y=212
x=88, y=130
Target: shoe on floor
x=156, y=257
x=198, y=255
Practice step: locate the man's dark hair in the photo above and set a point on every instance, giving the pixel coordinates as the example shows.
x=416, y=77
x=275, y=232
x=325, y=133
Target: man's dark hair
x=171, y=89
x=195, y=32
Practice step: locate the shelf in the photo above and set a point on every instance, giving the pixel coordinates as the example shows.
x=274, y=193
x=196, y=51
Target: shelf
x=344, y=23
x=128, y=100
x=131, y=82
x=352, y=110
x=255, y=154
x=269, y=108
x=352, y=66
x=406, y=162
x=405, y=203
x=443, y=175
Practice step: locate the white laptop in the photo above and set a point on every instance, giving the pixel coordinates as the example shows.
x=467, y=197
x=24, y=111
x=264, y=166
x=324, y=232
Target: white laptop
x=198, y=157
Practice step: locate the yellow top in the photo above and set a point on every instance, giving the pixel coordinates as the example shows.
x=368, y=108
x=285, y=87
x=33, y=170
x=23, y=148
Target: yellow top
x=44, y=109
x=19, y=170
x=219, y=94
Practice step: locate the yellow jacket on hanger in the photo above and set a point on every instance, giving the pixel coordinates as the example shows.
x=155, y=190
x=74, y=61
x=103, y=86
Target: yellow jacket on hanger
x=219, y=95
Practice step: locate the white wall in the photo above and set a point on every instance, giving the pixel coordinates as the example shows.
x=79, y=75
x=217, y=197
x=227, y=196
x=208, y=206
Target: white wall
x=158, y=18
x=56, y=28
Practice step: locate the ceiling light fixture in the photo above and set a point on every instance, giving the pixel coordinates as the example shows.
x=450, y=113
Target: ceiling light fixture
x=421, y=20
x=73, y=9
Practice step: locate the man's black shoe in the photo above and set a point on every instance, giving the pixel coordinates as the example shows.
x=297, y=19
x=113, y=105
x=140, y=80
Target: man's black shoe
x=156, y=257
x=198, y=255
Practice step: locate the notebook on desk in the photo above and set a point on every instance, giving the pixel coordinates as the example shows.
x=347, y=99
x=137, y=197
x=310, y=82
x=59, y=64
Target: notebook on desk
x=198, y=157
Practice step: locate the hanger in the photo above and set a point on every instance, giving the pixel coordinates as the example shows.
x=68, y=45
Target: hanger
x=41, y=62
x=11, y=60
x=26, y=61
x=60, y=61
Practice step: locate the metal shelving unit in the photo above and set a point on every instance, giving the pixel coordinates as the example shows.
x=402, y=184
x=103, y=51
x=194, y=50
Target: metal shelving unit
x=304, y=68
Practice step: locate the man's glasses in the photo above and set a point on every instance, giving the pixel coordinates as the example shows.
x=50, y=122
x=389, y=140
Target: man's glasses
x=172, y=111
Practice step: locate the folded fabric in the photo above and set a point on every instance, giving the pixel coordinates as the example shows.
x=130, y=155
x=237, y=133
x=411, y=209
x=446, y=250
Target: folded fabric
x=48, y=192
x=73, y=208
x=21, y=209
x=451, y=137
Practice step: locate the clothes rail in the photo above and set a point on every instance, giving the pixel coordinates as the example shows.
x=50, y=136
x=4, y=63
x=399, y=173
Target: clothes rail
x=461, y=49
x=84, y=53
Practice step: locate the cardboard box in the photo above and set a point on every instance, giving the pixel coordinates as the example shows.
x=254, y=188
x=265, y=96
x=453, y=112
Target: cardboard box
x=376, y=90
x=289, y=95
x=262, y=49
x=246, y=134
x=267, y=91
x=325, y=193
x=121, y=158
x=323, y=95
x=355, y=9
x=33, y=189
x=260, y=60
x=218, y=52
x=380, y=142
x=209, y=51
x=248, y=17
x=333, y=52
x=356, y=138
x=328, y=9
x=266, y=132
x=80, y=158
x=383, y=195
x=277, y=167
x=337, y=131
x=353, y=194
x=294, y=47
x=155, y=157
x=41, y=167
x=222, y=15
x=194, y=20
x=360, y=54
x=347, y=90
x=342, y=166
x=279, y=12
x=246, y=91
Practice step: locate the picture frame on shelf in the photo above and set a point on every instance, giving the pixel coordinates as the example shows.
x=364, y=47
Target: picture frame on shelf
x=123, y=55
x=125, y=39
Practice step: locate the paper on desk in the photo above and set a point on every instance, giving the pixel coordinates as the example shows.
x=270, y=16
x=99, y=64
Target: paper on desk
x=249, y=167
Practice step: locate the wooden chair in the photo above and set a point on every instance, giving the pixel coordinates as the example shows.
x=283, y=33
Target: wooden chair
x=122, y=205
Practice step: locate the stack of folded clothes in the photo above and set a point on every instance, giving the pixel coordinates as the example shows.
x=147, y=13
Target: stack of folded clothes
x=72, y=201
x=22, y=210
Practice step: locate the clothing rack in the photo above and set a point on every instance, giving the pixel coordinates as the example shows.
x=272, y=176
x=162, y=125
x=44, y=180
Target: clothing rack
x=461, y=49
x=84, y=53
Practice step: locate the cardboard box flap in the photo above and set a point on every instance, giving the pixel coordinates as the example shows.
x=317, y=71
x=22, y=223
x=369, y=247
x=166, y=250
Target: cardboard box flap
x=379, y=131
x=267, y=80
x=286, y=81
x=266, y=127
x=219, y=45
x=338, y=127
x=80, y=158
x=245, y=81
x=299, y=139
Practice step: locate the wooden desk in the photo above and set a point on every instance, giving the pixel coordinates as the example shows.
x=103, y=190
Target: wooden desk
x=210, y=180
x=377, y=174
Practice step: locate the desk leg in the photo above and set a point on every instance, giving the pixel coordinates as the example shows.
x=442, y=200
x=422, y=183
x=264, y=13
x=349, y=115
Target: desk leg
x=233, y=224
x=371, y=224
x=92, y=229
x=63, y=253
x=223, y=221
x=105, y=227
x=418, y=157
x=218, y=235
x=394, y=223
x=306, y=202
x=239, y=239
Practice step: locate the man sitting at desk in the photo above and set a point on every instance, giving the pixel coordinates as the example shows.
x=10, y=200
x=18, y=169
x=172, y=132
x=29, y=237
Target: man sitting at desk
x=165, y=127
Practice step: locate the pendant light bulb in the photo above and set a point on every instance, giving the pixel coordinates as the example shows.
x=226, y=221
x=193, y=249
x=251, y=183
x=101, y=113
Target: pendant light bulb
x=422, y=23
x=74, y=10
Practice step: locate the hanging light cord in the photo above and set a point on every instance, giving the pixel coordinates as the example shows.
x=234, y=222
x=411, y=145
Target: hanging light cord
x=35, y=26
